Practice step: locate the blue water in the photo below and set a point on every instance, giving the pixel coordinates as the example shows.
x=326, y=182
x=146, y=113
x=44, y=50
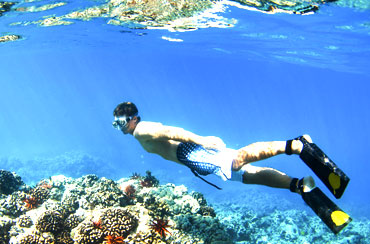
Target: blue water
x=271, y=77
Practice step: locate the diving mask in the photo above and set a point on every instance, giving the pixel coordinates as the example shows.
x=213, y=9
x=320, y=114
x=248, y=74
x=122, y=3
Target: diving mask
x=120, y=122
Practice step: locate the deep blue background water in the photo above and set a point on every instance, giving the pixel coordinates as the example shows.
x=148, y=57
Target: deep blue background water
x=271, y=77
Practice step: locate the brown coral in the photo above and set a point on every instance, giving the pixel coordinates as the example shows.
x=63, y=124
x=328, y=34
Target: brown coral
x=40, y=193
x=36, y=238
x=50, y=221
x=64, y=237
x=144, y=238
x=24, y=221
x=118, y=222
x=72, y=221
x=88, y=234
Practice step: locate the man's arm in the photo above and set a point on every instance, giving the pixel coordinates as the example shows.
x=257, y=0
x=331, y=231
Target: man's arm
x=157, y=131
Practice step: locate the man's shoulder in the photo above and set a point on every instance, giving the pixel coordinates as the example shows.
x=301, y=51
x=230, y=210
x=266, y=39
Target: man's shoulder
x=145, y=127
x=148, y=124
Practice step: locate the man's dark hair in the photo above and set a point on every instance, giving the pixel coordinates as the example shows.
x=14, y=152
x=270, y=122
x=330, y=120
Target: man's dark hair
x=126, y=109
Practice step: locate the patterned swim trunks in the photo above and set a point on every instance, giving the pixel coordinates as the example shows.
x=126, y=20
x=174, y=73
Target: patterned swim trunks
x=209, y=161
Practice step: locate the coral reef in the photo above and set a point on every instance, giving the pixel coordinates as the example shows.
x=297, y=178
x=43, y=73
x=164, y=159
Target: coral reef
x=117, y=222
x=50, y=221
x=160, y=226
x=24, y=221
x=113, y=239
x=70, y=212
x=149, y=180
x=95, y=210
x=13, y=205
x=36, y=196
x=288, y=226
x=9, y=182
x=72, y=221
x=38, y=238
x=87, y=233
x=5, y=225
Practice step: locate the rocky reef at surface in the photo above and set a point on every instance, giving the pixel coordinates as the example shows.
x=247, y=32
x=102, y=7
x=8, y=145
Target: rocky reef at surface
x=172, y=15
x=5, y=6
x=138, y=209
x=164, y=14
x=9, y=38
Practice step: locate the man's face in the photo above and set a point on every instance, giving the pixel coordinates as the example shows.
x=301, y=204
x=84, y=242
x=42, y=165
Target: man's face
x=130, y=126
x=125, y=124
x=126, y=129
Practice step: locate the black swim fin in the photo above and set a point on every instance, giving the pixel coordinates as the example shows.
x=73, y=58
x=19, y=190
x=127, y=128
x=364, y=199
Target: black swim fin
x=327, y=210
x=328, y=172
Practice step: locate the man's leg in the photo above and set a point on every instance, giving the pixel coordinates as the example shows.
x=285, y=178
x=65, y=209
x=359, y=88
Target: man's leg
x=262, y=150
x=265, y=176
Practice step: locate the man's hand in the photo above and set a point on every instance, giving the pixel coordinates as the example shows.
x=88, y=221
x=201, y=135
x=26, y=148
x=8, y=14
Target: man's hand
x=213, y=142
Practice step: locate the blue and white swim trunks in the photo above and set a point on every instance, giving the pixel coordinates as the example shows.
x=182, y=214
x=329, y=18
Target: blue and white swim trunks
x=209, y=161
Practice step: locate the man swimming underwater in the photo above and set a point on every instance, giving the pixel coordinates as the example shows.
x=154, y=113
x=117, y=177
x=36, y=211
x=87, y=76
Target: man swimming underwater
x=206, y=155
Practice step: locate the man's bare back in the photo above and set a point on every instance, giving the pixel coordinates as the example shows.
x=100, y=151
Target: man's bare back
x=163, y=140
x=149, y=136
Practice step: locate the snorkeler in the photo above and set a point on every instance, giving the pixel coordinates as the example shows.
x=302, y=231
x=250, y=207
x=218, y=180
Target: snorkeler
x=209, y=155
